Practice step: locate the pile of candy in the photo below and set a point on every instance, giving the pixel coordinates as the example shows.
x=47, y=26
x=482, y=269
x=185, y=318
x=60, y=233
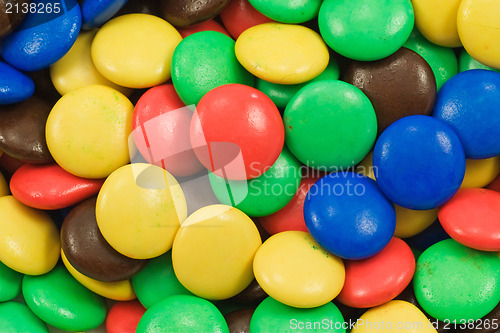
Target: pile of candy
x=261, y=166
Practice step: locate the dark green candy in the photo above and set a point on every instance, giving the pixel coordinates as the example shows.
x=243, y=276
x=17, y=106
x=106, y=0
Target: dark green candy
x=10, y=283
x=16, y=318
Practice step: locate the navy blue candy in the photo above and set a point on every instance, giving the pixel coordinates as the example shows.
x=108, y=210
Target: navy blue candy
x=97, y=12
x=348, y=215
x=43, y=38
x=14, y=85
x=470, y=103
x=419, y=162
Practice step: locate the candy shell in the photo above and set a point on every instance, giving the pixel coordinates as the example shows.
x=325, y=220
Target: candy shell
x=466, y=62
x=288, y=11
x=17, y=317
x=123, y=317
x=182, y=13
x=10, y=283
x=239, y=15
x=253, y=294
x=208, y=25
x=239, y=320
x=14, y=86
x=479, y=173
x=411, y=222
x=97, y=12
x=9, y=21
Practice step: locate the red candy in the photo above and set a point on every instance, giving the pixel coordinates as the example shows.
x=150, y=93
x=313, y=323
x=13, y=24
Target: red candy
x=209, y=25
x=240, y=15
x=123, y=317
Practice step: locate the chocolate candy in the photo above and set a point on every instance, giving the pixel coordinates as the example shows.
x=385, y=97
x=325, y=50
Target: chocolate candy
x=17, y=317
x=251, y=295
x=123, y=317
x=239, y=321
x=288, y=11
x=10, y=283
x=10, y=15
x=239, y=15
x=96, y=12
x=14, y=85
x=182, y=13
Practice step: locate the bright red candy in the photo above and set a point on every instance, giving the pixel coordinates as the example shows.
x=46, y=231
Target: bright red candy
x=123, y=317
x=237, y=132
x=377, y=280
x=208, y=25
x=49, y=186
x=240, y=15
x=472, y=217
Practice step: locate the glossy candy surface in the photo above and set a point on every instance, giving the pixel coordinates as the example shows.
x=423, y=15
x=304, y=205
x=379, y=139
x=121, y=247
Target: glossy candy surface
x=17, y=317
x=10, y=283
x=9, y=21
x=239, y=15
x=97, y=12
x=14, y=85
x=288, y=11
x=123, y=317
x=182, y=13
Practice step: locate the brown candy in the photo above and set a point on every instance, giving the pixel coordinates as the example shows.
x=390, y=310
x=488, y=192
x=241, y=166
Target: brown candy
x=400, y=85
x=22, y=130
x=151, y=7
x=182, y=13
x=251, y=295
x=87, y=250
x=239, y=321
x=11, y=15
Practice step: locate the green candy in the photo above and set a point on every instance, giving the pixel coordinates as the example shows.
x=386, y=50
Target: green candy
x=443, y=62
x=10, y=283
x=281, y=94
x=453, y=282
x=183, y=313
x=273, y=316
x=466, y=62
x=61, y=301
x=16, y=317
x=157, y=281
x=204, y=61
x=365, y=30
x=288, y=11
x=330, y=125
x=265, y=194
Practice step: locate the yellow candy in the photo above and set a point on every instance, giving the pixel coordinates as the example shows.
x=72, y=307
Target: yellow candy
x=295, y=270
x=411, y=222
x=135, y=50
x=4, y=187
x=282, y=53
x=139, y=209
x=479, y=173
x=213, y=252
x=437, y=21
x=29, y=239
x=394, y=316
x=118, y=291
x=365, y=167
x=479, y=29
x=87, y=131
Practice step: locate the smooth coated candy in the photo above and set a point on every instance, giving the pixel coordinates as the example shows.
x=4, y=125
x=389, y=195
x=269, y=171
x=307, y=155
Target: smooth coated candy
x=366, y=30
x=29, y=240
x=410, y=180
x=87, y=131
x=239, y=321
x=472, y=217
x=14, y=86
x=479, y=173
x=135, y=50
x=220, y=266
x=288, y=11
x=97, y=12
x=123, y=317
x=16, y=317
x=43, y=38
x=474, y=119
x=208, y=25
x=253, y=294
x=349, y=216
x=330, y=125
x=239, y=15
x=466, y=62
x=139, y=209
x=183, y=313
x=182, y=13
x=9, y=21
x=411, y=222
x=204, y=61
x=59, y=300
x=281, y=53
x=289, y=263
x=4, y=187
x=10, y=283
x=455, y=282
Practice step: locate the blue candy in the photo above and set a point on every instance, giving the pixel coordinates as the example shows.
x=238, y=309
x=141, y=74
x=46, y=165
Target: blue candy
x=97, y=12
x=43, y=38
x=348, y=215
x=14, y=85
x=419, y=162
x=470, y=103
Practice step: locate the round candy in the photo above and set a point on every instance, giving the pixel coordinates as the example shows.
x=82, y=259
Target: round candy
x=466, y=62
x=17, y=317
x=330, y=125
x=294, y=270
x=288, y=11
x=204, y=61
x=123, y=317
x=273, y=316
x=10, y=283
x=183, y=13
x=220, y=265
x=4, y=187
x=407, y=178
x=282, y=53
x=29, y=241
x=253, y=294
x=377, y=280
x=349, y=216
x=14, y=86
x=474, y=119
x=97, y=12
x=454, y=282
x=411, y=222
x=87, y=131
x=135, y=50
x=479, y=173
x=10, y=20
x=237, y=132
x=139, y=209
x=398, y=86
x=239, y=15
x=239, y=321
x=495, y=184
x=366, y=30
x=59, y=300
x=208, y=25
x=472, y=217
x=183, y=313
x=42, y=39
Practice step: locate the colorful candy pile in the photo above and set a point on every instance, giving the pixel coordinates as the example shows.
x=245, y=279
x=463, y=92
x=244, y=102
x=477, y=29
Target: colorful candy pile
x=262, y=166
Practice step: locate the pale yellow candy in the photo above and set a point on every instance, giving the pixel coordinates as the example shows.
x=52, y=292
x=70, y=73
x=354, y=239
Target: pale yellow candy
x=295, y=270
x=29, y=239
x=118, y=291
x=4, y=187
x=139, y=210
x=87, y=131
x=282, y=53
x=479, y=173
x=479, y=30
x=135, y=50
x=437, y=21
x=411, y=222
x=213, y=252
x=394, y=316
x=76, y=69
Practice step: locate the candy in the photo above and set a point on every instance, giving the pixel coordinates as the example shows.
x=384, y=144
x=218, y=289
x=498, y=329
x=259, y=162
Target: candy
x=288, y=11
x=239, y=15
x=123, y=317
x=208, y=25
x=411, y=222
x=182, y=13
x=10, y=19
x=10, y=283
x=14, y=85
x=17, y=317
x=97, y=12
x=239, y=320
x=479, y=173
x=466, y=62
